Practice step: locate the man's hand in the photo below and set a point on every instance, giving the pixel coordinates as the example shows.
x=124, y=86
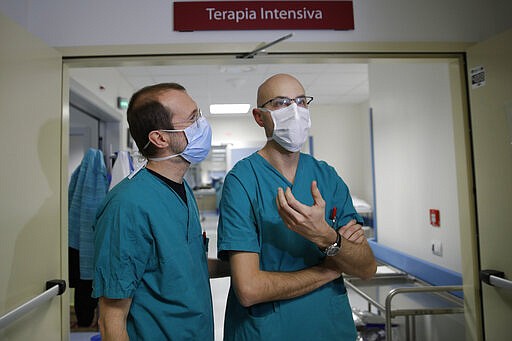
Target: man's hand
x=352, y=232
x=308, y=221
x=355, y=258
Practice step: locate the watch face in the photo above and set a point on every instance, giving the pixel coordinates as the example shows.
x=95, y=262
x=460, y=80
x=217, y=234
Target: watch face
x=334, y=248
x=332, y=251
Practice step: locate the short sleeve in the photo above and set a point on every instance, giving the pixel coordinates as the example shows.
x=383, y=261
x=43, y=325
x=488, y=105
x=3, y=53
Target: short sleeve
x=122, y=250
x=237, y=224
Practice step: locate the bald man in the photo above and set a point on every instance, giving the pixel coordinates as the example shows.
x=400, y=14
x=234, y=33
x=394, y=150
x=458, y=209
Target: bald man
x=289, y=229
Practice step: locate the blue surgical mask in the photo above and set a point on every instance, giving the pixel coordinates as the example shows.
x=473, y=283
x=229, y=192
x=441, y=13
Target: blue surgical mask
x=199, y=137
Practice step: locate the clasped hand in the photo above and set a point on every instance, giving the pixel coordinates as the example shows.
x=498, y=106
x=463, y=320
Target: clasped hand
x=309, y=221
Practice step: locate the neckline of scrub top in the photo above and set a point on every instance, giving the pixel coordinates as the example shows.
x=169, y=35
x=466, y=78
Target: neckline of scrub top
x=190, y=205
x=178, y=188
x=158, y=179
x=298, y=171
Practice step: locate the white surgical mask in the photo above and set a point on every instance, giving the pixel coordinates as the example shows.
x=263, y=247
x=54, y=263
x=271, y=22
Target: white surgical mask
x=199, y=137
x=291, y=127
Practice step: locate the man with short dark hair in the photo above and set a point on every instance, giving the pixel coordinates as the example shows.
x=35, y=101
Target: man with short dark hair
x=151, y=272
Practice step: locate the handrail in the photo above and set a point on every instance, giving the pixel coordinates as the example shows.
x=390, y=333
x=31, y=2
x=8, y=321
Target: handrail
x=54, y=288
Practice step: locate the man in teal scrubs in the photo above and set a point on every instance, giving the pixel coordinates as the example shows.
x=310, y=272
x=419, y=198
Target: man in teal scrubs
x=151, y=270
x=289, y=229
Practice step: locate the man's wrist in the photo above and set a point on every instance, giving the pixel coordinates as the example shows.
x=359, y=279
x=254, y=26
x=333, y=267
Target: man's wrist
x=329, y=239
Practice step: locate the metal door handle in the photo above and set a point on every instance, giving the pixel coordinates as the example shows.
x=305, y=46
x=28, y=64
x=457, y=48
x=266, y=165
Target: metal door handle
x=54, y=288
x=495, y=278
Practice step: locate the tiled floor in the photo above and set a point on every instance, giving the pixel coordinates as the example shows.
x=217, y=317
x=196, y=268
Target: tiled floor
x=220, y=287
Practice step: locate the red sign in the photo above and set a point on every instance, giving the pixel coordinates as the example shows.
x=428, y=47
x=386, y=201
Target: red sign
x=263, y=15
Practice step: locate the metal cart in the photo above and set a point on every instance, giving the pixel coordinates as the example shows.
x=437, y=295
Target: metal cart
x=399, y=294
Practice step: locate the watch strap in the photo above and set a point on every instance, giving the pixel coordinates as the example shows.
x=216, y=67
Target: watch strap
x=335, y=247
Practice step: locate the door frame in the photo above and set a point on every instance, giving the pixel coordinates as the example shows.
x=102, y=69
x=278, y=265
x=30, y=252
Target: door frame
x=217, y=53
x=492, y=172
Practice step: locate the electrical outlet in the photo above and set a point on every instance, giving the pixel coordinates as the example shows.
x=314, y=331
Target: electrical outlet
x=437, y=248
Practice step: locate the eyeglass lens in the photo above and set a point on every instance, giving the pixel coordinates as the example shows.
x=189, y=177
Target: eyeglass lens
x=280, y=102
x=193, y=120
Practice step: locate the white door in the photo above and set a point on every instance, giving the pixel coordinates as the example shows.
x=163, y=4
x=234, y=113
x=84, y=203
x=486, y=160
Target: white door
x=31, y=194
x=491, y=118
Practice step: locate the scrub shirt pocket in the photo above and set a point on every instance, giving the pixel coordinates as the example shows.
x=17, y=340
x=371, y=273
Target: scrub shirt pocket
x=254, y=323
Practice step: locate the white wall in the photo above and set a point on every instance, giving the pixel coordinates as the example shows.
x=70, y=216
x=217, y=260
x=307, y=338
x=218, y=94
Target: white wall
x=341, y=137
x=106, y=84
x=118, y=22
x=415, y=159
x=83, y=134
x=240, y=131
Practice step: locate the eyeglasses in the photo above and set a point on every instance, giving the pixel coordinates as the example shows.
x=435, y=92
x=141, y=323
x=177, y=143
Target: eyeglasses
x=186, y=123
x=281, y=102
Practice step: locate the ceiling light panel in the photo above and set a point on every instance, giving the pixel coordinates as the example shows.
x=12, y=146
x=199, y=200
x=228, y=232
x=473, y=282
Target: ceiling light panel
x=223, y=109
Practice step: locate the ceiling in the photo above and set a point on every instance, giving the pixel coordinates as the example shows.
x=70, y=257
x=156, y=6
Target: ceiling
x=328, y=83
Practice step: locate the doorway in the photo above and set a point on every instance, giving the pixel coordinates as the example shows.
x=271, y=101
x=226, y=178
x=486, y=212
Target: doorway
x=406, y=127
x=89, y=165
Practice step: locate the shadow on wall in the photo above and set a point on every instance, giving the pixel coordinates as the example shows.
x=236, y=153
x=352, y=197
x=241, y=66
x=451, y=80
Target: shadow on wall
x=37, y=251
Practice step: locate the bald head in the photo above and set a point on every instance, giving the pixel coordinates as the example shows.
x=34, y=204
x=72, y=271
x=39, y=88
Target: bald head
x=280, y=85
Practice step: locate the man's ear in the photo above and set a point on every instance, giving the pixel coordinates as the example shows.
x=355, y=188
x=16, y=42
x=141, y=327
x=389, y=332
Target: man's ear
x=257, y=113
x=158, y=139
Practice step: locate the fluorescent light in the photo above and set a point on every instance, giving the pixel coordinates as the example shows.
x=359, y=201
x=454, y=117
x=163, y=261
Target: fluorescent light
x=219, y=109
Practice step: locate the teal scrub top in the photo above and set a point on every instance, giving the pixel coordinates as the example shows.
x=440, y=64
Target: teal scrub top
x=249, y=221
x=149, y=247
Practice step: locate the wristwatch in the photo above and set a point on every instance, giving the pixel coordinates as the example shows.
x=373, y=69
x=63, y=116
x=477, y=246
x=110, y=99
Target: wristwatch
x=332, y=250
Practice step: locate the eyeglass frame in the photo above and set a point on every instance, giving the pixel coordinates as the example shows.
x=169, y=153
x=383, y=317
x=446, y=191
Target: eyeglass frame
x=192, y=121
x=196, y=118
x=307, y=98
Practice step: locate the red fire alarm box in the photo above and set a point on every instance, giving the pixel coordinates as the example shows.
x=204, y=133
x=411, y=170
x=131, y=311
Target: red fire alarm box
x=434, y=218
